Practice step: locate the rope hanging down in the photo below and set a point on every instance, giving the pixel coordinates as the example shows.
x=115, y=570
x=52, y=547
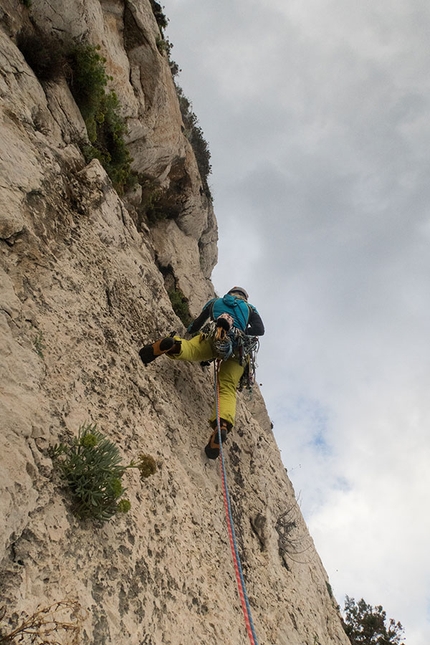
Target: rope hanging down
x=230, y=526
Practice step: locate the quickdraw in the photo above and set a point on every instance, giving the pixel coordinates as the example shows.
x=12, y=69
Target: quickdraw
x=248, y=347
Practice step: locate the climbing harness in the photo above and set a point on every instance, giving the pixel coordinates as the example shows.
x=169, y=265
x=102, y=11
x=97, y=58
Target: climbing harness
x=230, y=525
x=234, y=342
x=222, y=337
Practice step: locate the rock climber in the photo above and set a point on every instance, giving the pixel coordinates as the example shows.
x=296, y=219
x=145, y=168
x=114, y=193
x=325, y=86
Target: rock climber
x=218, y=339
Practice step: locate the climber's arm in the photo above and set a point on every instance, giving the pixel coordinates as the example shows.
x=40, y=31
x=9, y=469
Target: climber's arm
x=255, y=325
x=201, y=318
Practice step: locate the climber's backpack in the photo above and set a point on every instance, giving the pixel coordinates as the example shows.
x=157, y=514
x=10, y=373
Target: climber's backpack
x=238, y=309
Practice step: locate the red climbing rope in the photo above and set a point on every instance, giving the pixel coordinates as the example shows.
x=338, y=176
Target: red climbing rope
x=230, y=526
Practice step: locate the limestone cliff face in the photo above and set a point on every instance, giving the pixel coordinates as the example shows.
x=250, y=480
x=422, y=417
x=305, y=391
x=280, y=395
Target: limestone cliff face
x=82, y=286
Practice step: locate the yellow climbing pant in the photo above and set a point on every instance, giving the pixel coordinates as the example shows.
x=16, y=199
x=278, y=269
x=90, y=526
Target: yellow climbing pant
x=201, y=349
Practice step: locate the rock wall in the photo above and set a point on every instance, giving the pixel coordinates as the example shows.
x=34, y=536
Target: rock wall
x=82, y=286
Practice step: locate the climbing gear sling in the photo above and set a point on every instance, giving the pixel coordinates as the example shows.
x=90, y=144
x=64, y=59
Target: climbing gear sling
x=233, y=342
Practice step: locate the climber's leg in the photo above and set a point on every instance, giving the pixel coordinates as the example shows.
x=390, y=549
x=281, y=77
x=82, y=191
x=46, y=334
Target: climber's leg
x=197, y=349
x=167, y=345
x=228, y=378
x=212, y=447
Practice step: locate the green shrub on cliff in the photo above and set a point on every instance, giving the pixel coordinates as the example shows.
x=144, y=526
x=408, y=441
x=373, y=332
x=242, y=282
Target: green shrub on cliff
x=160, y=16
x=101, y=112
x=194, y=134
x=84, y=69
x=91, y=466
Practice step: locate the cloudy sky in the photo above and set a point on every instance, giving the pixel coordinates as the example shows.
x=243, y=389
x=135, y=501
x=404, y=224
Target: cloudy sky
x=318, y=121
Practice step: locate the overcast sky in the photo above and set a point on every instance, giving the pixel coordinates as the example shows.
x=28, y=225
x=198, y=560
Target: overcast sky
x=317, y=118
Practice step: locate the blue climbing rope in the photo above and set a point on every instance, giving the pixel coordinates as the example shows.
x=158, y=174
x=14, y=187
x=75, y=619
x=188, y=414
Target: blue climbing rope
x=230, y=525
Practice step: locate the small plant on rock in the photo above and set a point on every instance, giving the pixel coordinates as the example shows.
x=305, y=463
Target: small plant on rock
x=180, y=306
x=164, y=46
x=91, y=466
x=160, y=203
x=38, y=344
x=58, y=623
x=160, y=16
x=292, y=541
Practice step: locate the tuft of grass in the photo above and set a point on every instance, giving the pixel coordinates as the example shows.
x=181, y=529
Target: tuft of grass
x=39, y=345
x=91, y=466
x=150, y=205
x=106, y=131
x=292, y=543
x=147, y=465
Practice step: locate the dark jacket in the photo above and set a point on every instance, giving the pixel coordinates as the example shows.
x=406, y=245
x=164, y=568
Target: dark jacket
x=245, y=316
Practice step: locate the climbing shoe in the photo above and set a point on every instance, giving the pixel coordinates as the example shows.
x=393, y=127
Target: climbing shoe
x=167, y=345
x=212, y=448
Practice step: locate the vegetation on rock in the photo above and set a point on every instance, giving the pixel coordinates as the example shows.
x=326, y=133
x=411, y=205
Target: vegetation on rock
x=180, y=306
x=367, y=625
x=160, y=17
x=101, y=112
x=91, y=467
x=52, y=624
x=84, y=69
x=194, y=134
